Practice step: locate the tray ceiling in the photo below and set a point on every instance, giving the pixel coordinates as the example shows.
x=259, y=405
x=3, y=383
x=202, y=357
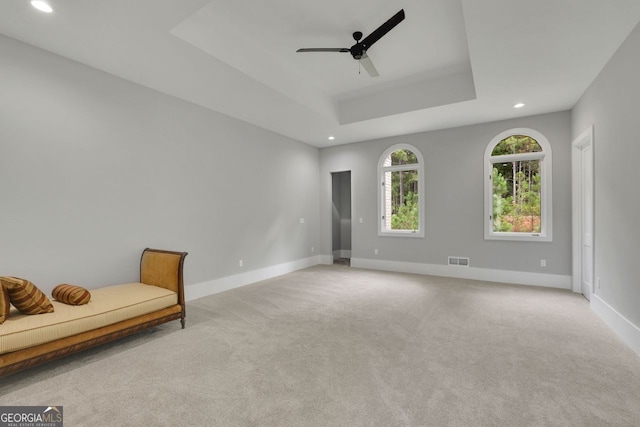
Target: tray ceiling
x=450, y=63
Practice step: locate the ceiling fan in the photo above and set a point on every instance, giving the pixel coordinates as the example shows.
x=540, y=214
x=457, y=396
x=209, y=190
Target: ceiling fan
x=359, y=50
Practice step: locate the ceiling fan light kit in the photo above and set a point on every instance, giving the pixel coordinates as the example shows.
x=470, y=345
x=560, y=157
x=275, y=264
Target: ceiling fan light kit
x=359, y=50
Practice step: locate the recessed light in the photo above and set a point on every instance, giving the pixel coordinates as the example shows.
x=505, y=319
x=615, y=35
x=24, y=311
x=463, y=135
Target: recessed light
x=42, y=6
x=331, y=138
x=518, y=105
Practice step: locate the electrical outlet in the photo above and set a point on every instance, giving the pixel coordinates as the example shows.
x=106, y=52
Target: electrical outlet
x=313, y=249
x=543, y=263
x=375, y=252
x=301, y=220
x=241, y=263
x=360, y=220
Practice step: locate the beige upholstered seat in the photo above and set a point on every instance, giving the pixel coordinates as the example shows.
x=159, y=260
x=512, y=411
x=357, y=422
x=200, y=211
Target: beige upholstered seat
x=107, y=306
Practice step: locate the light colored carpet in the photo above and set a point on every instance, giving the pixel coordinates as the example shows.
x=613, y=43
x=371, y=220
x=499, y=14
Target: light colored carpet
x=337, y=346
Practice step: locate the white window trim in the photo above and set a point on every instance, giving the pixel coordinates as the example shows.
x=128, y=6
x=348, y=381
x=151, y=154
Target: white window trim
x=546, y=187
x=382, y=231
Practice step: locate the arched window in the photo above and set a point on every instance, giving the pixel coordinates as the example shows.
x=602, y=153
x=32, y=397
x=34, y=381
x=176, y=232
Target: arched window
x=518, y=186
x=401, y=177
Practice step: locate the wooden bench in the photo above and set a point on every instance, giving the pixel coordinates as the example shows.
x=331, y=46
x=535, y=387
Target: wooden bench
x=160, y=268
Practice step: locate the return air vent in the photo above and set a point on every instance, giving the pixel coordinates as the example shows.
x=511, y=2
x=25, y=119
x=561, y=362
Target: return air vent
x=459, y=261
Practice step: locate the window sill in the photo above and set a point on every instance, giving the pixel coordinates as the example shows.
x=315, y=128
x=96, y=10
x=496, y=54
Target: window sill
x=519, y=237
x=401, y=233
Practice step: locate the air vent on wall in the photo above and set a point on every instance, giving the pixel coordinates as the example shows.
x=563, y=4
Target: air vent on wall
x=459, y=261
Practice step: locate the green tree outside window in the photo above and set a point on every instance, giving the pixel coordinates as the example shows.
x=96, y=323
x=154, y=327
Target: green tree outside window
x=516, y=187
x=404, y=192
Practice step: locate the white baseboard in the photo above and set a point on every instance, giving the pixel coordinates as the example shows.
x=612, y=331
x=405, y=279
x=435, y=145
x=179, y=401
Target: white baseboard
x=326, y=259
x=222, y=284
x=627, y=331
x=502, y=276
x=342, y=253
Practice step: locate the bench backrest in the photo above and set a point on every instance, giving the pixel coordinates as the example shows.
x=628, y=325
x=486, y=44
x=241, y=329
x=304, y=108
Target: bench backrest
x=164, y=269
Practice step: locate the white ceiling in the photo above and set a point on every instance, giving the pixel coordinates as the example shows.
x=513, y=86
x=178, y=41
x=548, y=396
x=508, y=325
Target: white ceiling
x=449, y=63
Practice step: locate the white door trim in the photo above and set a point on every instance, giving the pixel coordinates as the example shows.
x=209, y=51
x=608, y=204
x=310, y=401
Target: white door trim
x=579, y=144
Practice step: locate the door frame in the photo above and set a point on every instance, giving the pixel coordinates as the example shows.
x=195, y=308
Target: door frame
x=579, y=144
x=350, y=251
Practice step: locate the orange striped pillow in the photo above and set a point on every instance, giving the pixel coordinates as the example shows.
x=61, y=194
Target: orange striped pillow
x=5, y=304
x=70, y=294
x=26, y=297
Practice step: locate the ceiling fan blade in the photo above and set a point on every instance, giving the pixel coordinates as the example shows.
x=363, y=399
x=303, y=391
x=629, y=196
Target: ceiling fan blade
x=368, y=65
x=383, y=29
x=324, y=49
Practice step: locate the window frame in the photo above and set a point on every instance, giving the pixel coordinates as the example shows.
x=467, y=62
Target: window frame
x=546, y=187
x=419, y=167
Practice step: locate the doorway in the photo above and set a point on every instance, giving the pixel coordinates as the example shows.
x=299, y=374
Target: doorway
x=583, y=213
x=341, y=217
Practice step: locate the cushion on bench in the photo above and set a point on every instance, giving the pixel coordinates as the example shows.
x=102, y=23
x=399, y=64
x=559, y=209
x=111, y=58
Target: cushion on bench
x=5, y=305
x=71, y=294
x=107, y=306
x=25, y=296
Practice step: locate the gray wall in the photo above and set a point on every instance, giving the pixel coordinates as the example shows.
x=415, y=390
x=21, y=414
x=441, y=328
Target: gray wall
x=454, y=198
x=94, y=168
x=611, y=106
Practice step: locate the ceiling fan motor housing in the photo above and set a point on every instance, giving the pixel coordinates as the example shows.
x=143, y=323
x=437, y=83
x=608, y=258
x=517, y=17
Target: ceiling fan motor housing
x=358, y=49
